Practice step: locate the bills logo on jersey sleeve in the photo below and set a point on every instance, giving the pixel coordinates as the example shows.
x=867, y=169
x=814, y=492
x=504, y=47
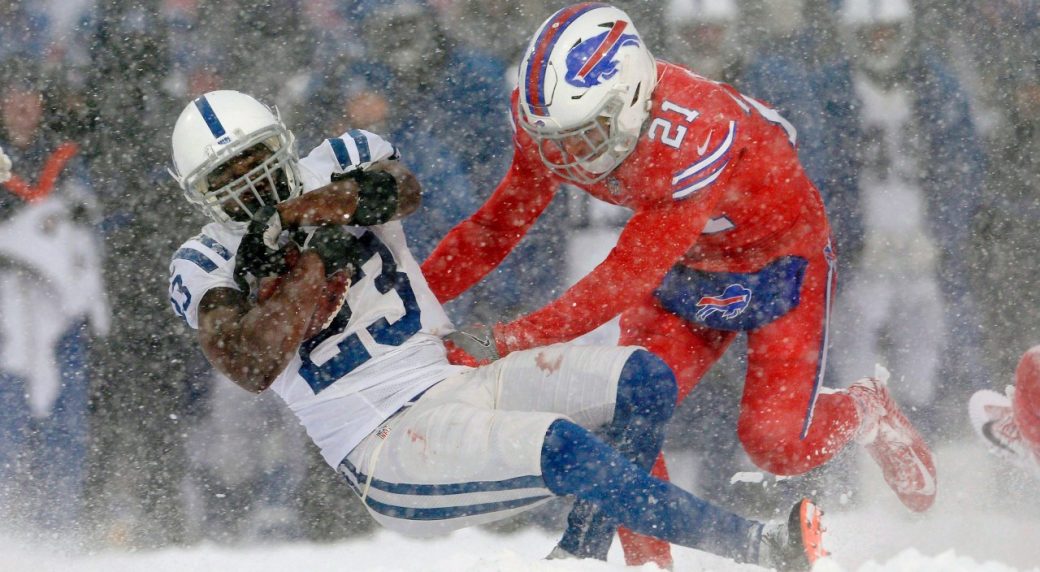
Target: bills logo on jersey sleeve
x=594, y=60
x=730, y=303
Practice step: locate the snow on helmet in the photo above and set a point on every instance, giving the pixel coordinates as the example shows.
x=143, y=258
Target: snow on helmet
x=585, y=85
x=220, y=126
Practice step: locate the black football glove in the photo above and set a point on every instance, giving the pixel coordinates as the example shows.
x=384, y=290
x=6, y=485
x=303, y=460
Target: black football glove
x=338, y=249
x=377, y=196
x=258, y=254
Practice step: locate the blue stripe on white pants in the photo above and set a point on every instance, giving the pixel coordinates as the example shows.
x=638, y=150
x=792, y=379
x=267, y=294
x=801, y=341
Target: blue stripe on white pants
x=423, y=509
x=469, y=450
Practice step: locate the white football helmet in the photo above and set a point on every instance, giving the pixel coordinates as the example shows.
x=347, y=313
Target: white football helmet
x=878, y=32
x=585, y=85
x=214, y=129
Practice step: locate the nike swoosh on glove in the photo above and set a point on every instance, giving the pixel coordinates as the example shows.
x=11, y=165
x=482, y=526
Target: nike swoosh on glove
x=475, y=342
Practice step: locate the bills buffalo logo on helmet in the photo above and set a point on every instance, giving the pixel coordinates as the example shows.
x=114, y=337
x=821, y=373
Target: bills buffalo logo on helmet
x=592, y=61
x=733, y=300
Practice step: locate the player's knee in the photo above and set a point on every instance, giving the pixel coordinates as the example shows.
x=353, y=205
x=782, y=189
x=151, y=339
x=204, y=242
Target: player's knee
x=565, y=447
x=647, y=387
x=774, y=447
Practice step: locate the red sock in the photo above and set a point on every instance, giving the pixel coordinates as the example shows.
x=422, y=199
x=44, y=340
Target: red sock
x=641, y=549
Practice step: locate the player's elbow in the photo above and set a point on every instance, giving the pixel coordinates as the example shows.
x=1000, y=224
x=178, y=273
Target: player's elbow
x=251, y=369
x=409, y=194
x=251, y=375
x=256, y=383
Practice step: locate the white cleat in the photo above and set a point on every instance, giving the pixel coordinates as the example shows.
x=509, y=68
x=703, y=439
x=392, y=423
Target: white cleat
x=991, y=416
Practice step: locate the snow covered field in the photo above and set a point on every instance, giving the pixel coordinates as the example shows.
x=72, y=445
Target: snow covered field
x=986, y=519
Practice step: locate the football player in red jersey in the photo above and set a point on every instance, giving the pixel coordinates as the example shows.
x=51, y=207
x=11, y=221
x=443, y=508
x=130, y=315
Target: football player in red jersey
x=727, y=235
x=1009, y=423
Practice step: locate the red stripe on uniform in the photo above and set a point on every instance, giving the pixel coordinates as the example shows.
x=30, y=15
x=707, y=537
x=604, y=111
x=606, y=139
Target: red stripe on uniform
x=535, y=64
x=719, y=301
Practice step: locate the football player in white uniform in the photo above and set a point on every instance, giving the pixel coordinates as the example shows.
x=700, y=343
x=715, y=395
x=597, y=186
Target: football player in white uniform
x=428, y=446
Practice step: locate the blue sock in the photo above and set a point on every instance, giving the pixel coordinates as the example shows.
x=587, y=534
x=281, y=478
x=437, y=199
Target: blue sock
x=646, y=396
x=576, y=462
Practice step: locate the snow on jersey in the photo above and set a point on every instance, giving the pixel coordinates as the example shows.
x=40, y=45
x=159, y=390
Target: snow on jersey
x=714, y=183
x=383, y=348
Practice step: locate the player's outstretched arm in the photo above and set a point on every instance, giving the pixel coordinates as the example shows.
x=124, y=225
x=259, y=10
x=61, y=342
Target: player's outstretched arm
x=253, y=343
x=386, y=191
x=481, y=242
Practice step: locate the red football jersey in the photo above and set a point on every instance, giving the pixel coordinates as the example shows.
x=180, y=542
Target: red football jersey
x=714, y=183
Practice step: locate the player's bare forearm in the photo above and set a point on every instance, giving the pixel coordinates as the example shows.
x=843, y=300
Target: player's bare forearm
x=253, y=343
x=332, y=204
x=337, y=202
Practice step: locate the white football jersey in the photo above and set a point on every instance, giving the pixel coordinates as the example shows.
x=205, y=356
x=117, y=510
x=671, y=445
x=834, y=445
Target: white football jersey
x=384, y=346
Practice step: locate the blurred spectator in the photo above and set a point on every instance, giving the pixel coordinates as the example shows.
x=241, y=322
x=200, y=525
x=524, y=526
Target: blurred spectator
x=922, y=185
x=147, y=368
x=793, y=63
x=246, y=489
x=891, y=311
x=448, y=112
x=1006, y=52
x=52, y=302
x=23, y=31
x=704, y=35
x=379, y=95
x=497, y=27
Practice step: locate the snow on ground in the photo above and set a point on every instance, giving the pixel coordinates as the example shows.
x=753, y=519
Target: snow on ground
x=986, y=519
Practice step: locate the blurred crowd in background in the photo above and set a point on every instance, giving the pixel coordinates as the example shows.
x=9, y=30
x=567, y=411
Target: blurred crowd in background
x=918, y=126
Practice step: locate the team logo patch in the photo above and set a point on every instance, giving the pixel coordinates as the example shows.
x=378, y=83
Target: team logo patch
x=731, y=303
x=593, y=61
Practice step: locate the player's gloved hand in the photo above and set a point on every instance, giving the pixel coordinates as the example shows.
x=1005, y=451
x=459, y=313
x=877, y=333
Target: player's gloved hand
x=377, y=196
x=476, y=341
x=339, y=250
x=5, y=166
x=267, y=222
x=255, y=259
x=342, y=255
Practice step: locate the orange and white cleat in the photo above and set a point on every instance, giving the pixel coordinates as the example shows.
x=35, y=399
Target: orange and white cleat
x=795, y=545
x=893, y=443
